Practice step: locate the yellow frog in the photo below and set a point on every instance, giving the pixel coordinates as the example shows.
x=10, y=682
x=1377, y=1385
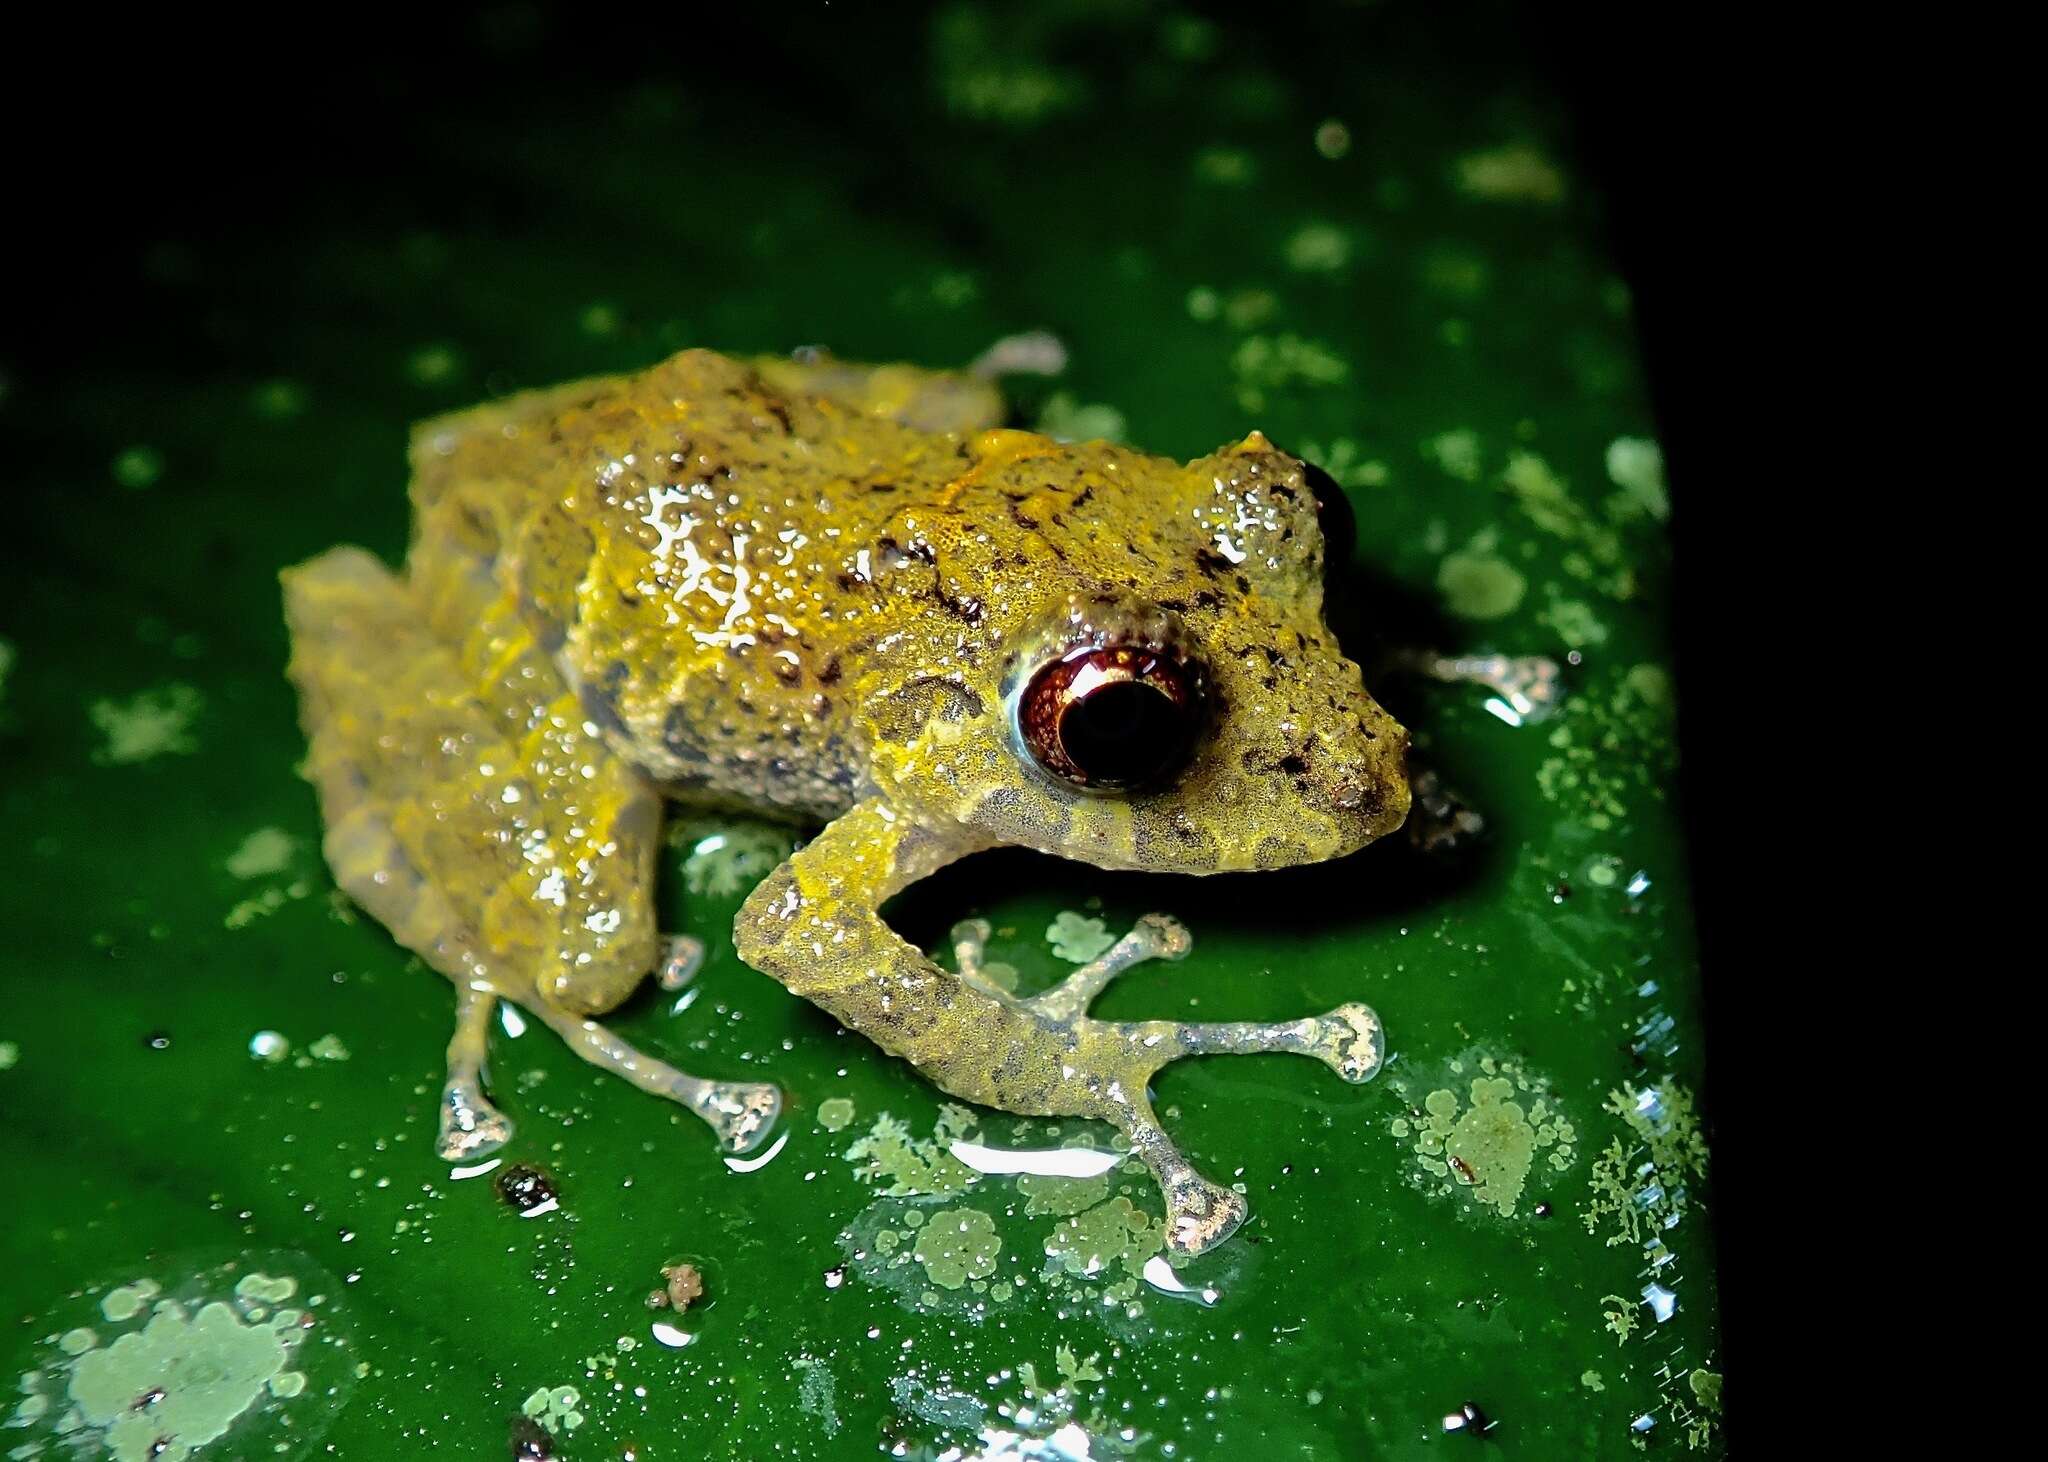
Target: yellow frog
x=836, y=593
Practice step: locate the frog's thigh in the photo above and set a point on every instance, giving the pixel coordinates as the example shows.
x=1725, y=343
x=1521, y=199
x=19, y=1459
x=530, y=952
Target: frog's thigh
x=520, y=868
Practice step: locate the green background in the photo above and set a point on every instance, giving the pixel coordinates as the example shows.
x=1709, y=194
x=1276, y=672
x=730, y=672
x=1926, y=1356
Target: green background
x=1417, y=297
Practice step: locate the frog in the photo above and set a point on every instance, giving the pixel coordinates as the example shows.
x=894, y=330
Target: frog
x=850, y=596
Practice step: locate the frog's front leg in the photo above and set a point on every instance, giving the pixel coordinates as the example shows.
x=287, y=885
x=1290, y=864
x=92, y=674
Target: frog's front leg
x=813, y=925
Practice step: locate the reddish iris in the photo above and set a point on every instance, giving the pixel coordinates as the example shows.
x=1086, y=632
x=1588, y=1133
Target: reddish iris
x=1110, y=717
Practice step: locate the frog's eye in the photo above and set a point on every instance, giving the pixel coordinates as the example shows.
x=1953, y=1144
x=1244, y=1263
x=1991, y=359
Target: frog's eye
x=1110, y=718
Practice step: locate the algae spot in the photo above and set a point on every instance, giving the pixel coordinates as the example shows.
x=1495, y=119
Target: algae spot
x=1318, y=248
x=1116, y=1233
x=1641, y=1189
x=1611, y=744
x=1065, y=418
x=138, y=467
x=957, y=1245
x=1456, y=452
x=1488, y=1141
x=175, y=1369
x=1078, y=938
x=729, y=857
x=265, y=851
x=1636, y=466
x=1516, y=172
x=147, y=725
x=817, y=1394
x=1480, y=585
x=913, y=1167
x=10, y=1055
x=556, y=1408
x=835, y=1114
x=1268, y=363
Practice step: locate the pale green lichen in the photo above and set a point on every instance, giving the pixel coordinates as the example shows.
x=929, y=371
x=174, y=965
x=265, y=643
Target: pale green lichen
x=1077, y=937
x=1641, y=1189
x=206, y=1364
x=1317, y=248
x=1347, y=463
x=1066, y=418
x=1489, y=1146
x=10, y=1055
x=137, y=468
x=1116, y=1233
x=998, y=75
x=729, y=857
x=835, y=1114
x=817, y=1393
x=557, y=1408
x=1611, y=743
x=147, y=725
x=211, y=1369
x=957, y=1245
x=1576, y=624
x=1059, y=1197
x=1226, y=167
x=1269, y=363
x=1516, y=172
x=1636, y=466
x=1591, y=1381
x=328, y=1048
x=1477, y=584
x=265, y=851
x=1456, y=452
x=911, y=1167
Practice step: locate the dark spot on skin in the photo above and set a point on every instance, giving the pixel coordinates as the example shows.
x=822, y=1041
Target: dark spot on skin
x=829, y=673
x=1294, y=765
x=1082, y=500
x=963, y=606
x=525, y=1187
x=1210, y=562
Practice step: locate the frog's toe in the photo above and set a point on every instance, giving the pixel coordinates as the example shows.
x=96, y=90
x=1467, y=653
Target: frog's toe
x=1350, y=1041
x=471, y=1128
x=1200, y=1215
x=742, y=1113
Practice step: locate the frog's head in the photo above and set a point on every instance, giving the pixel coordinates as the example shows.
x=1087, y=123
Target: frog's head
x=1159, y=689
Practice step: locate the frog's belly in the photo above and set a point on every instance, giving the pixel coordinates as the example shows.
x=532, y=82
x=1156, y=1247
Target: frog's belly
x=767, y=756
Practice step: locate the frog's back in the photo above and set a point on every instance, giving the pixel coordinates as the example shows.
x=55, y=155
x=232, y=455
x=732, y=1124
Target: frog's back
x=695, y=550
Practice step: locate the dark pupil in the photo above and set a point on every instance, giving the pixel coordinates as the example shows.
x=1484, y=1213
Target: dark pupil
x=1122, y=734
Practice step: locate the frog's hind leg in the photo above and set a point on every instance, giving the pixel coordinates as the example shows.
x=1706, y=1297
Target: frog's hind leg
x=470, y=1126
x=511, y=851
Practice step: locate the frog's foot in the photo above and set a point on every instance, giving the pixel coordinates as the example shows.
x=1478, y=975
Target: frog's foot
x=1531, y=686
x=1116, y=1061
x=1156, y=936
x=970, y=946
x=1440, y=822
x=682, y=957
x=741, y=1112
x=1201, y=1214
x=471, y=1128
x=1033, y=353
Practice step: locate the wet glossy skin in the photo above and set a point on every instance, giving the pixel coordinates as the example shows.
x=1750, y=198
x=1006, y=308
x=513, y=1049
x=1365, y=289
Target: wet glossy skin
x=816, y=589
